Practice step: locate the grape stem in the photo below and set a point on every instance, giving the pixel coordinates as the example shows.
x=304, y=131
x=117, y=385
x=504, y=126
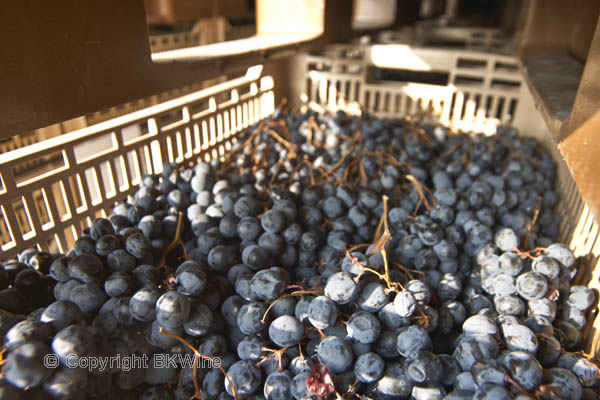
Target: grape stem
x=176, y=240
x=305, y=161
x=531, y=254
x=358, y=246
x=232, y=152
x=421, y=191
x=198, y=354
x=276, y=173
x=536, y=213
x=281, y=140
x=295, y=293
x=276, y=353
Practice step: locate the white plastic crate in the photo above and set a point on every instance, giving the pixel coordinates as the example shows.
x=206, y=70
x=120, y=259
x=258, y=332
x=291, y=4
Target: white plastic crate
x=88, y=170
x=101, y=164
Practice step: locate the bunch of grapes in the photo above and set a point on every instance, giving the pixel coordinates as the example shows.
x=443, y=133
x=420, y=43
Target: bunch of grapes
x=325, y=256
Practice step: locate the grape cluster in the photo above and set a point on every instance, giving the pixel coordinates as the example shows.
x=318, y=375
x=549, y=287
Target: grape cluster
x=325, y=256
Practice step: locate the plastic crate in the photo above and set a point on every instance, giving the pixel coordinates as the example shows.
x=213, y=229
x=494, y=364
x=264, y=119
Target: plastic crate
x=102, y=164
x=96, y=166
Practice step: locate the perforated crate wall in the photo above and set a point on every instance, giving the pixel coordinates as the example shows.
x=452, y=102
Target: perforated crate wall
x=94, y=167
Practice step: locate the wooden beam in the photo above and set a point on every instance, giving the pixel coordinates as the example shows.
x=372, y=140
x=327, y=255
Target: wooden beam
x=69, y=58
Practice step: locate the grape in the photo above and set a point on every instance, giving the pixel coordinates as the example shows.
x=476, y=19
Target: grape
x=419, y=290
x=340, y=287
x=255, y=257
x=479, y=325
x=250, y=348
x=523, y=368
x=119, y=284
x=460, y=394
x=86, y=268
x=156, y=393
x=273, y=221
x=564, y=384
x=390, y=319
x=245, y=378
x=423, y=368
x=509, y=305
x=74, y=340
x=177, y=198
x=489, y=392
x=230, y=309
x=449, y=287
x=25, y=331
x=369, y=367
x=322, y=312
x=58, y=270
x=172, y=309
x=89, y=297
x=506, y=239
x=335, y=354
x=568, y=335
x=531, y=285
x=84, y=245
x=221, y=258
x=61, y=314
x=445, y=196
x=292, y=234
x=250, y=317
x=146, y=276
x=363, y=327
x=213, y=345
x=191, y=280
x=451, y=369
x=284, y=306
x=24, y=368
x=467, y=352
x=30, y=282
x=412, y=339
x=373, y=297
x=573, y=316
x=287, y=207
x=405, y=304
x=561, y=253
x=549, y=350
x=581, y=297
x=394, y=383
x=121, y=261
x=286, y=331
x=267, y=284
x=278, y=386
x=66, y=382
x=121, y=311
x=546, y=266
x=299, y=389
x=138, y=245
x=587, y=372
x=128, y=379
x=510, y=264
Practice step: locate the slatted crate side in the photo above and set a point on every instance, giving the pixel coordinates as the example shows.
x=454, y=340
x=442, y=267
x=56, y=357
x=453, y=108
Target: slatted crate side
x=102, y=164
x=482, y=88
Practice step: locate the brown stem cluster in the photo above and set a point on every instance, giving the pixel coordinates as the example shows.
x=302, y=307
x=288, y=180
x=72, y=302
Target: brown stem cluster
x=198, y=393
